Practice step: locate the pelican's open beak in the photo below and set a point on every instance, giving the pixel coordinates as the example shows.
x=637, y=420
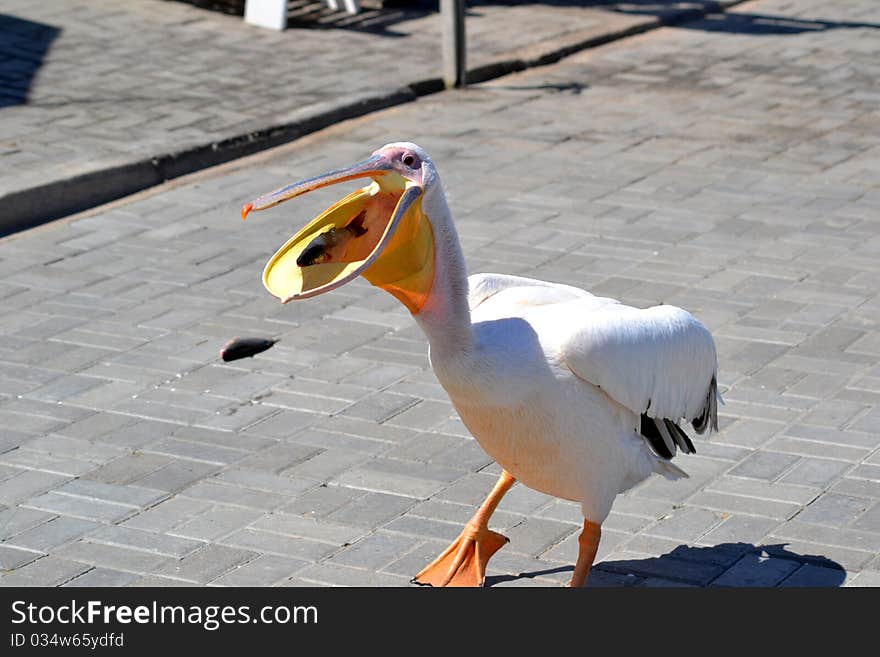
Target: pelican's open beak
x=378, y=231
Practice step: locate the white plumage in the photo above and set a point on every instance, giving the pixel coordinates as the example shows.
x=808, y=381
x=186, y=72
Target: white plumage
x=557, y=379
x=659, y=361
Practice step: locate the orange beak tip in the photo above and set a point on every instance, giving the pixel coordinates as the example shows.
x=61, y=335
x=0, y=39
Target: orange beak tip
x=246, y=210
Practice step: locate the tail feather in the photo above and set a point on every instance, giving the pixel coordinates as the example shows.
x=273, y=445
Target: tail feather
x=669, y=470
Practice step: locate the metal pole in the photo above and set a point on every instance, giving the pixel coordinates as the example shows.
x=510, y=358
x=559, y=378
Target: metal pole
x=454, y=65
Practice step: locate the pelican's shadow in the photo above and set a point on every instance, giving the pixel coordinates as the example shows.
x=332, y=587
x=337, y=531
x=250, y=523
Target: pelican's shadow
x=726, y=564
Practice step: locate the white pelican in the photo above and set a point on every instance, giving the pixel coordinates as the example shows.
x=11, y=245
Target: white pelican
x=577, y=396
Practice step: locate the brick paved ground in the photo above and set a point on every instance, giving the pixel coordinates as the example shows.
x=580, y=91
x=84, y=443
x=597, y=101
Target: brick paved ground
x=729, y=166
x=108, y=85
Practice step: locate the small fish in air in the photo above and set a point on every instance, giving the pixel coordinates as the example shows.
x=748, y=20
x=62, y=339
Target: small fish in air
x=321, y=249
x=244, y=347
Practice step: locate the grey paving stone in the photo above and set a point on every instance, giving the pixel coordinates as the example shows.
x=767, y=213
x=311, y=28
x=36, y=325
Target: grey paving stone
x=73, y=448
x=47, y=571
x=534, y=536
x=141, y=432
x=745, y=505
x=810, y=575
x=870, y=520
x=319, y=439
x=322, y=500
x=635, y=505
x=12, y=557
x=52, y=534
x=286, y=546
x=834, y=510
x=78, y=507
x=866, y=471
x=666, y=566
x=776, y=491
x=103, y=577
x=127, y=469
x=750, y=433
x=322, y=530
x=167, y=514
x=282, y=424
x=854, y=539
x=375, y=551
x=279, y=456
x=177, y=475
x=262, y=481
x=764, y=465
x=372, y=509
x=336, y=575
x=471, y=489
x=32, y=460
x=327, y=464
x=601, y=579
x=380, y=407
x=112, y=557
x=217, y=521
x=686, y=524
x=416, y=559
x=829, y=439
x=621, y=522
x=756, y=570
x=11, y=440
x=862, y=487
x=135, y=539
x=205, y=564
x=425, y=527
x=700, y=471
x=740, y=528
x=211, y=491
x=134, y=496
x=866, y=578
x=265, y=570
x=815, y=472
x=367, y=429
x=15, y=520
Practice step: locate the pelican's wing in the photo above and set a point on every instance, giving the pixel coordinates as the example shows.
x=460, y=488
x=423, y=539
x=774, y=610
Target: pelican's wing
x=519, y=290
x=659, y=362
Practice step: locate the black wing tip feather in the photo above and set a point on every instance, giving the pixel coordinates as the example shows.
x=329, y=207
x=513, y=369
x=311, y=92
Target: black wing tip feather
x=652, y=434
x=709, y=416
x=650, y=427
x=681, y=438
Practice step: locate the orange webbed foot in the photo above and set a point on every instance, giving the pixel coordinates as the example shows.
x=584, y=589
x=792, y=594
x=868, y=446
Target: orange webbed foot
x=464, y=562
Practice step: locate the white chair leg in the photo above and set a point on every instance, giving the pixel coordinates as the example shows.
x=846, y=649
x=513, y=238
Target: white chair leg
x=352, y=6
x=271, y=14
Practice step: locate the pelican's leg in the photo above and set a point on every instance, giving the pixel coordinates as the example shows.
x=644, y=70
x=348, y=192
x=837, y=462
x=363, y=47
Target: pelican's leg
x=464, y=562
x=588, y=544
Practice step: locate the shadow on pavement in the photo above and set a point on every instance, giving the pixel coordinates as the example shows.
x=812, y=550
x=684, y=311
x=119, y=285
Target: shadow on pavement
x=726, y=564
x=381, y=16
x=688, y=14
x=763, y=25
x=572, y=88
x=23, y=45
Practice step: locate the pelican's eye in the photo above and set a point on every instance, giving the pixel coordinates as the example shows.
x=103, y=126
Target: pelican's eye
x=408, y=159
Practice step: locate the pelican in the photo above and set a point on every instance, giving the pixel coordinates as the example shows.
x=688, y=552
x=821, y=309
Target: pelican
x=574, y=395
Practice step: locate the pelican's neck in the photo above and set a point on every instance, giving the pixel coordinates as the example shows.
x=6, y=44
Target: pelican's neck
x=445, y=317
